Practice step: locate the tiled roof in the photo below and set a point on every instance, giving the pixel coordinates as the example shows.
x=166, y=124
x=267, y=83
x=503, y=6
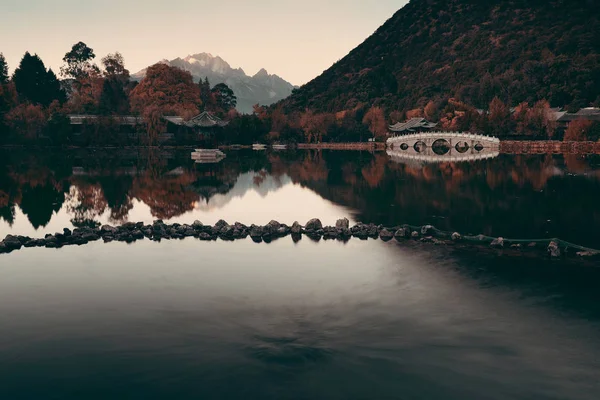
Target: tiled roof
x=412, y=124
x=80, y=119
x=204, y=120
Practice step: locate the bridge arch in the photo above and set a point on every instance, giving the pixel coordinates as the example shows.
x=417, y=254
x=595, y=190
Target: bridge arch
x=441, y=146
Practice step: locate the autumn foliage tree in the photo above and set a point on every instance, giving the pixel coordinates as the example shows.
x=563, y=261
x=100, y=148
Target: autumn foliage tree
x=577, y=131
x=165, y=90
x=375, y=120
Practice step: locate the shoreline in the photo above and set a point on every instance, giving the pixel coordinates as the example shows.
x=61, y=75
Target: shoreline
x=506, y=147
x=314, y=230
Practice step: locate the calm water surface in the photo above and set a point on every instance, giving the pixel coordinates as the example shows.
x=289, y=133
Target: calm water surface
x=357, y=320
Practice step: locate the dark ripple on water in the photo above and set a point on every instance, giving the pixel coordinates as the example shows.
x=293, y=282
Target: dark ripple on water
x=291, y=351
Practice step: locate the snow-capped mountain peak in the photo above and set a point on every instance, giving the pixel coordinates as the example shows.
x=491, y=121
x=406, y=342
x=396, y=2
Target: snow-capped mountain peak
x=262, y=88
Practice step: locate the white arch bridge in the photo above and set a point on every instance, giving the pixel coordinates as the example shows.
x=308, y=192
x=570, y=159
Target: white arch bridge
x=442, y=147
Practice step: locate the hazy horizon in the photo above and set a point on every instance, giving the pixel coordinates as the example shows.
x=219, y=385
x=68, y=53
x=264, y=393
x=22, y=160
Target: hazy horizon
x=296, y=41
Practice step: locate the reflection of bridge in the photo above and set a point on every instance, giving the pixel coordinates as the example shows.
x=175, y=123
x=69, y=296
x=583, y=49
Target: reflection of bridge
x=442, y=147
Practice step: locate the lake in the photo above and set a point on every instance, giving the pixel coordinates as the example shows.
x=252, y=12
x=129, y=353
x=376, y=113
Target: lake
x=186, y=319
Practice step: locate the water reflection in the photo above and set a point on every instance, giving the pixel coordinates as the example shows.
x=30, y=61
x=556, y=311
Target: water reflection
x=511, y=196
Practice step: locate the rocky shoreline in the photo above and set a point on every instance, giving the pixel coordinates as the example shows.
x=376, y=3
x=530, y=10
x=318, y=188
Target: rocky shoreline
x=313, y=229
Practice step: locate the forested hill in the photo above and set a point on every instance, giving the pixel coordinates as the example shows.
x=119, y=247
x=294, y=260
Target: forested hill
x=472, y=50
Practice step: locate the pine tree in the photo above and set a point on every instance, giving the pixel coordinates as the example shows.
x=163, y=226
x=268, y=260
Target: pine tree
x=3, y=70
x=53, y=89
x=205, y=94
x=33, y=83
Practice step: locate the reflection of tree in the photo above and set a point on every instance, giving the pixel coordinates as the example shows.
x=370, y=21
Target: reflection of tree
x=116, y=192
x=86, y=203
x=374, y=172
x=168, y=196
x=40, y=202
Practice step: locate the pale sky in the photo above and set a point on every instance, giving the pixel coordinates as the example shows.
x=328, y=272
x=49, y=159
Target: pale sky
x=294, y=39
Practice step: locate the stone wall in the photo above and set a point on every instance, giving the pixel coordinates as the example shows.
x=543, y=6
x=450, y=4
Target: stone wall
x=548, y=147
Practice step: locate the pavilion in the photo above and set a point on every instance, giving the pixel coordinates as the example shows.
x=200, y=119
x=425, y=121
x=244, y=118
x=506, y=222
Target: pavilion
x=412, y=125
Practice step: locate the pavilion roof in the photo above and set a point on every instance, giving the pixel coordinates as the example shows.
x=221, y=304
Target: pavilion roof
x=412, y=124
x=204, y=120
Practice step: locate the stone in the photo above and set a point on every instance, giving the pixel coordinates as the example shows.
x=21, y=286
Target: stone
x=275, y=225
x=373, y=231
x=204, y=236
x=240, y=227
x=197, y=225
x=314, y=225
x=415, y=235
x=342, y=224
x=402, y=234
x=516, y=246
x=23, y=239
x=427, y=230
x=456, y=236
x=129, y=226
x=108, y=230
x=67, y=232
x=227, y=232
x=51, y=245
x=386, y=235
x=256, y=231
x=296, y=228
x=256, y=239
x=90, y=237
x=50, y=239
x=3, y=248
x=498, y=243
x=283, y=231
x=554, y=250
x=221, y=224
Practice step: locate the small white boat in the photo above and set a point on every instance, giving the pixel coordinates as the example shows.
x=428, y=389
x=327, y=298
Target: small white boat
x=258, y=146
x=280, y=147
x=207, y=155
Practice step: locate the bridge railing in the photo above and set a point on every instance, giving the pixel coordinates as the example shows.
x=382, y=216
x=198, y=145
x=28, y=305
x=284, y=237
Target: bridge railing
x=443, y=135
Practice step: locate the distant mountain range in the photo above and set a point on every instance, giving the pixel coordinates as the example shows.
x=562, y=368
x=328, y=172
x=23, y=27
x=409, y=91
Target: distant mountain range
x=470, y=50
x=262, y=88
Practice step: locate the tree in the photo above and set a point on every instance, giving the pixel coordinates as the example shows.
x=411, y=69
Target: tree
x=499, y=118
x=78, y=62
x=165, y=90
x=431, y=111
x=114, y=67
x=577, y=131
x=375, y=120
x=224, y=97
x=27, y=120
x=33, y=83
x=113, y=99
x=3, y=70
x=205, y=93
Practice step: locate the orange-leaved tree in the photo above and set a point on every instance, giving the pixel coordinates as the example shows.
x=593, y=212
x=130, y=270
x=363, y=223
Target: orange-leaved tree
x=165, y=90
x=577, y=131
x=375, y=120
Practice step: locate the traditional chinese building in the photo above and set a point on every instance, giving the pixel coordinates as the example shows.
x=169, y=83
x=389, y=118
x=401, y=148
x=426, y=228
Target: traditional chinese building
x=412, y=125
x=204, y=127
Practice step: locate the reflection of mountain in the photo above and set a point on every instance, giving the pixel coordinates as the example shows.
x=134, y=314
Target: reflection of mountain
x=259, y=182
